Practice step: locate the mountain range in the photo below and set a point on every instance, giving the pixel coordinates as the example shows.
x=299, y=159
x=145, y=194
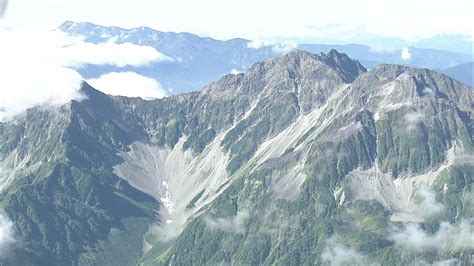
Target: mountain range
x=301, y=159
x=197, y=61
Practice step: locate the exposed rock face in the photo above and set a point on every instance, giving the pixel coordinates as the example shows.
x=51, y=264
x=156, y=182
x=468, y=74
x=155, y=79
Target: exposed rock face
x=263, y=167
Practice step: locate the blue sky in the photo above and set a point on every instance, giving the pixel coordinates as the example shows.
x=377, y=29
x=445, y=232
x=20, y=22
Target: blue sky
x=270, y=19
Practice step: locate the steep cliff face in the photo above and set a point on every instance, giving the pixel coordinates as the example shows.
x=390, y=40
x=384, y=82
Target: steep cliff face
x=302, y=159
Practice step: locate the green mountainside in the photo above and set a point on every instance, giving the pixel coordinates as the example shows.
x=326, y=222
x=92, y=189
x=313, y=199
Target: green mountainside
x=303, y=159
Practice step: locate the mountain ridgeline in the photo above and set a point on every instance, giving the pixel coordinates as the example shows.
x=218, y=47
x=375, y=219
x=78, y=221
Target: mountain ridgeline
x=302, y=159
x=188, y=53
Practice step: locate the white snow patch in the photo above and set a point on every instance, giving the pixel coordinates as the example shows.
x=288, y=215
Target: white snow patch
x=167, y=201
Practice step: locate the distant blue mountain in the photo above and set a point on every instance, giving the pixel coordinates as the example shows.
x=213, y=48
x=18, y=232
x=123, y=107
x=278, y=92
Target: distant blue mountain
x=463, y=73
x=198, y=61
x=450, y=42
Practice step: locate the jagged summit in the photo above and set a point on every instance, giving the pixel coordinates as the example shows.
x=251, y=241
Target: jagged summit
x=348, y=68
x=297, y=71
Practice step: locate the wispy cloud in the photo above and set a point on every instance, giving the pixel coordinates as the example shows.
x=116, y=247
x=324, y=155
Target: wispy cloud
x=257, y=44
x=428, y=206
x=128, y=84
x=7, y=238
x=449, y=237
x=429, y=92
x=277, y=48
x=282, y=48
x=412, y=119
x=337, y=254
x=165, y=232
x=230, y=224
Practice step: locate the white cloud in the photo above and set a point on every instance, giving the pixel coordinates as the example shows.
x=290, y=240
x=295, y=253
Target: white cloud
x=278, y=48
x=128, y=84
x=38, y=67
x=421, y=205
x=448, y=237
x=428, y=206
x=231, y=224
x=412, y=118
x=405, y=54
x=282, y=48
x=429, y=92
x=110, y=53
x=235, y=71
x=6, y=234
x=337, y=254
x=165, y=232
x=257, y=44
x=30, y=75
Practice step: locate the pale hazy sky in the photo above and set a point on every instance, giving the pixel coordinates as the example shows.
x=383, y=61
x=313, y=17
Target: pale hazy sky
x=257, y=19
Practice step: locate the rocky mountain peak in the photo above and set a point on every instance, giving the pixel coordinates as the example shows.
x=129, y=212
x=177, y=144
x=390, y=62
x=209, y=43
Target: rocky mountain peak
x=291, y=71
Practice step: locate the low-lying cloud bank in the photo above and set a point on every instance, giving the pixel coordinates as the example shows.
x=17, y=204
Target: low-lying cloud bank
x=120, y=55
x=39, y=67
